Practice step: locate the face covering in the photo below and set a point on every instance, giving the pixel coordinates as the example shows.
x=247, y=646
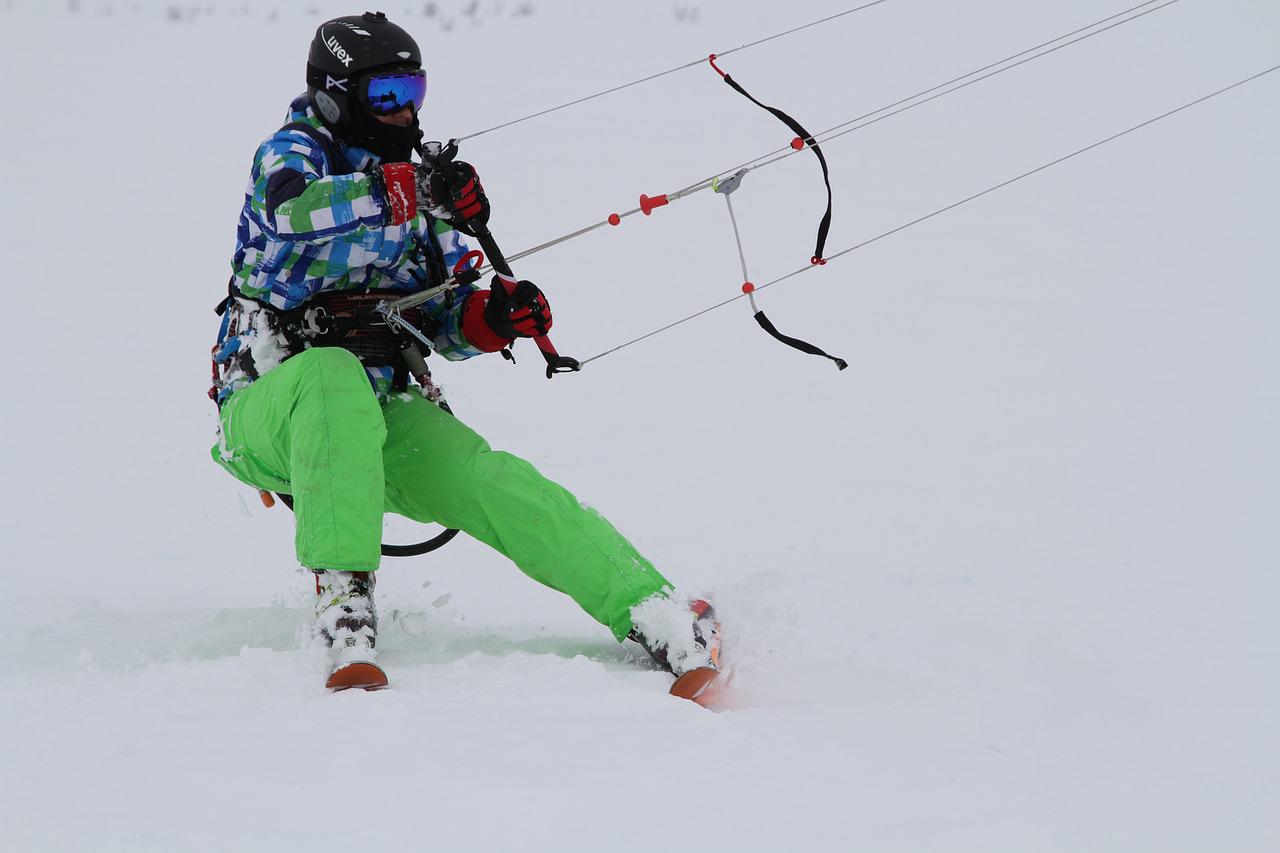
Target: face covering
x=391, y=143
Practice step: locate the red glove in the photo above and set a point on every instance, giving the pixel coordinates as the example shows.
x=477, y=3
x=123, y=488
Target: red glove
x=490, y=321
x=453, y=193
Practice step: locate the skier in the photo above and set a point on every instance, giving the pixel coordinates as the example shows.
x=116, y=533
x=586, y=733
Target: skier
x=310, y=382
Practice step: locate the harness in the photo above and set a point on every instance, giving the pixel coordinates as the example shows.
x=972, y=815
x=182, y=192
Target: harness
x=350, y=320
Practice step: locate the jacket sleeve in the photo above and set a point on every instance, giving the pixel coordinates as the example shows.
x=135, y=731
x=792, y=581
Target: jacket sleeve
x=294, y=199
x=446, y=310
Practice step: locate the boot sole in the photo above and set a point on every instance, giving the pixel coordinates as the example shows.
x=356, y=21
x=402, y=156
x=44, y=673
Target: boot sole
x=366, y=676
x=694, y=683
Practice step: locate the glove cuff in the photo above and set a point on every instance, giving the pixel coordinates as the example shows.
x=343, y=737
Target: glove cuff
x=476, y=329
x=400, y=192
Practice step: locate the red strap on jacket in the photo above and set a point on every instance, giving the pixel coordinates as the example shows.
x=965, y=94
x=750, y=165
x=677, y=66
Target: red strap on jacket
x=401, y=191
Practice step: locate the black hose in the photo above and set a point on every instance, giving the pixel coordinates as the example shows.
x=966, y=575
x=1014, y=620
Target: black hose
x=438, y=541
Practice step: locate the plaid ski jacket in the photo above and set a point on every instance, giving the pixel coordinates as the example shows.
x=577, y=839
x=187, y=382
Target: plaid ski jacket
x=309, y=226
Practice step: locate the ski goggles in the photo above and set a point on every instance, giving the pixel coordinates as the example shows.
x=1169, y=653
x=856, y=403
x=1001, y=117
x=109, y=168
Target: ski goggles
x=387, y=94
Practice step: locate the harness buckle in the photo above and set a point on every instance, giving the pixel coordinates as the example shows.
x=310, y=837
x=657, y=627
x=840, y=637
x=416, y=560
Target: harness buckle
x=315, y=322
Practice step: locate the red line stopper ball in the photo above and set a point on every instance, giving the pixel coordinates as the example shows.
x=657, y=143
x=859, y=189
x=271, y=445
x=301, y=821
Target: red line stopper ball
x=797, y=143
x=615, y=219
x=748, y=287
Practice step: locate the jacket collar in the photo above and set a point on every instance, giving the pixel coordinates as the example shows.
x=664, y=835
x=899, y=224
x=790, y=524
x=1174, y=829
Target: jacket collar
x=361, y=159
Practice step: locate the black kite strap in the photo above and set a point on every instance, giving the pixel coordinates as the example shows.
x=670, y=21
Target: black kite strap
x=803, y=346
x=803, y=137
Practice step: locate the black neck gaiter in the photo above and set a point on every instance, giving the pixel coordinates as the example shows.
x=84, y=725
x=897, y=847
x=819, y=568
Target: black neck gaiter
x=391, y=143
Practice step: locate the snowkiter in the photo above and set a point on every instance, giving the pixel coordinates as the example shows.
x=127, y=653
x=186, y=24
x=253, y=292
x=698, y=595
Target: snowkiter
x=311, y=383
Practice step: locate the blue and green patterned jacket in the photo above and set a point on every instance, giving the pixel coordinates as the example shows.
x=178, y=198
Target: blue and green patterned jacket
x=307, y=228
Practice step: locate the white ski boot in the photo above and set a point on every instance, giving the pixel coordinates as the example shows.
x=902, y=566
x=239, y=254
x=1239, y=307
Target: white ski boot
x=348, y=623
x=683, y=636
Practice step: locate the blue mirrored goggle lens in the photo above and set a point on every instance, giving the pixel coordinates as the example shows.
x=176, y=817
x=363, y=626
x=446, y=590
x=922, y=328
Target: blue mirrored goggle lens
x=390, y=93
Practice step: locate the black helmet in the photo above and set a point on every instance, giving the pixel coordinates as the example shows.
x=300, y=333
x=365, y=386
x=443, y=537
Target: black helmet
x=345, y=54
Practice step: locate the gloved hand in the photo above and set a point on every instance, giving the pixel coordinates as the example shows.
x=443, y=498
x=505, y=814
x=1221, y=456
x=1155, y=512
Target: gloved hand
x=517, y=310
x=490, y=321
x=452, y=192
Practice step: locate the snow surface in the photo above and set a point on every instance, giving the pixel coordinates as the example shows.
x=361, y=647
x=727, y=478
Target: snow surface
x=1009, y=583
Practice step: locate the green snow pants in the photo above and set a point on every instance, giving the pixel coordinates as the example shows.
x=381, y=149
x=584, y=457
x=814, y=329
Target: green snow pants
x=313, y=428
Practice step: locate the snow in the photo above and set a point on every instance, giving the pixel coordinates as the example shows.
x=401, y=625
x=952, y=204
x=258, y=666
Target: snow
x=1008, y=583
x=664, y=621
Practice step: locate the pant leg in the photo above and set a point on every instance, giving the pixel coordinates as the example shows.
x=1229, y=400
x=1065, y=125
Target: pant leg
x=439, y=469
x=312, y=428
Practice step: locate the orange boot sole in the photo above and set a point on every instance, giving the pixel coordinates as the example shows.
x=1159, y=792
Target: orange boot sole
x=366, y=676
